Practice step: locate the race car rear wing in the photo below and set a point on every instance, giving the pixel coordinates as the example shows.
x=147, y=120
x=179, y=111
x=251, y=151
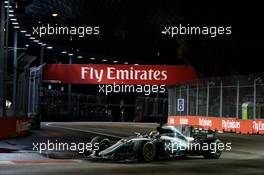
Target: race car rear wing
x=191, y=131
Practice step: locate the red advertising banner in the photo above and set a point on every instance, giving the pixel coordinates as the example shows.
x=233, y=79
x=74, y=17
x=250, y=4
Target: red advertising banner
x=13, y=127
x=220, y=124
x=117, y=74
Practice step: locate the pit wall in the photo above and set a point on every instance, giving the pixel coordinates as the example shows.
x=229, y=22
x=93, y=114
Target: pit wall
x=220, y=124
x=13, y=127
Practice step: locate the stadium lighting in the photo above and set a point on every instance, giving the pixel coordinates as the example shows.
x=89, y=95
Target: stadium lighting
x=55, y=14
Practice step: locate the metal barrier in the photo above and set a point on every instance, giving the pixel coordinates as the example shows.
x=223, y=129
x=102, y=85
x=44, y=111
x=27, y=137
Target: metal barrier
x=237, y=97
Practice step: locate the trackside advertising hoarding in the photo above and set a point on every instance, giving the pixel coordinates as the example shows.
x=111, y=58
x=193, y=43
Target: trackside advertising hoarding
x=220, y=124
x=118, y=74
x=13, y=127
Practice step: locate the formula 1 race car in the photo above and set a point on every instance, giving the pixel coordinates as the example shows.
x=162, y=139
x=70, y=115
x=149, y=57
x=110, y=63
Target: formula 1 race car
x=165, y=142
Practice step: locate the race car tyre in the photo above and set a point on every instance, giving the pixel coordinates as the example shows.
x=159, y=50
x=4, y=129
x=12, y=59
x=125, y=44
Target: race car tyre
x=99, y=143
x=146, y=151
x=215, y=153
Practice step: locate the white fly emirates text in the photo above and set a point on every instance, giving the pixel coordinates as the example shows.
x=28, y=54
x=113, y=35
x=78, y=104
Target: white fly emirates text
x=112, y=73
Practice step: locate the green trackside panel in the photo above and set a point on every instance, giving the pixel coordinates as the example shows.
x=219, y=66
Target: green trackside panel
x=244, y=114
x=244, y=111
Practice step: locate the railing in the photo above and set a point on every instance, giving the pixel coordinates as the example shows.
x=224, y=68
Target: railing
x=237, y=97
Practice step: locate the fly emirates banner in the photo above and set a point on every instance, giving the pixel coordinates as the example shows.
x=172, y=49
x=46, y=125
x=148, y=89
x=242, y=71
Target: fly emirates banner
x=117, y=74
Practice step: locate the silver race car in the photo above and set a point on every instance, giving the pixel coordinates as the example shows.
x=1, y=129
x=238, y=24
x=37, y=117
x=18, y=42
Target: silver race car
x=165, y=142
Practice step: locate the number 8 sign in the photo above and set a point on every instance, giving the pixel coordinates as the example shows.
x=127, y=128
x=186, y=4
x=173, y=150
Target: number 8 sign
x=180, y=104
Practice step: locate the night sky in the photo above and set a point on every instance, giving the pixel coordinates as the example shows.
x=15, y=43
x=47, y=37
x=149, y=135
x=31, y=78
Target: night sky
x=131, y=31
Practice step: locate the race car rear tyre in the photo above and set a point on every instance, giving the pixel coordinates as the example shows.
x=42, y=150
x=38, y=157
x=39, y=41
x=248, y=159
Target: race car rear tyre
x=146, y=151
x=99, y=143
x=214, y=153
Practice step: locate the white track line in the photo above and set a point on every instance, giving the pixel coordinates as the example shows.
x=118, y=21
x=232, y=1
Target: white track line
x=86, y=131
x=34, y=162
x=7, y=163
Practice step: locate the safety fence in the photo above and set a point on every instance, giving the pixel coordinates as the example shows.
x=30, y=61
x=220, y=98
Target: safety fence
x=219, y=101
x=236, y=97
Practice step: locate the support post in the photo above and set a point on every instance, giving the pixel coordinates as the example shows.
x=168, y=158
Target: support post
x=15, y=75
x=221, y=100
x=69, y=91
x=197, y=100
x=2, y=55
x=188, y=100
x=207, y=99
x=237, y=99
x=255, y=99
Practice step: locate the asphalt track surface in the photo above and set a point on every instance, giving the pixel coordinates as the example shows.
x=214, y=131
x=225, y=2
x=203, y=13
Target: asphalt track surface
x=246, y=156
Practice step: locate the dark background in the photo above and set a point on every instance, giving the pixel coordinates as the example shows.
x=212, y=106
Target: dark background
x=130, y=31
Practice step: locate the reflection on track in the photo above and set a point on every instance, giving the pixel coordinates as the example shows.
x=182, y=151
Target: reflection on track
x=246, y=156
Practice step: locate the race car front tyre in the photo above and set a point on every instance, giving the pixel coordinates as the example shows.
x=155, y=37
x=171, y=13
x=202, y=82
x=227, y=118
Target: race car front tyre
x=213, y=152
x=146, y=151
